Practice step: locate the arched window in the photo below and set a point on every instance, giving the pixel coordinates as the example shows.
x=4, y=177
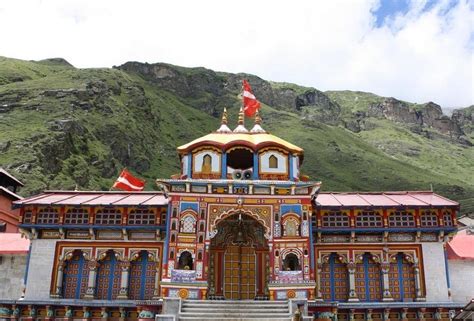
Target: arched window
x=291, y=263
x=47, y=216
x=428, y=219
x=369, y=219
x=188, y=224
x=368, y=279
x=334, y=282
x=77, y=216
x=401, y=219
x=75, y=276
x=335, y=219
x=272, y=161
x=142, y=277
x=401, y=278
x=185, y=261
x=206, y=164
x=108, y=277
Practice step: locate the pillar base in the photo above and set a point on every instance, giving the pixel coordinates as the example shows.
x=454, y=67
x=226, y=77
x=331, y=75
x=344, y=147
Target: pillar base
x=420, y=299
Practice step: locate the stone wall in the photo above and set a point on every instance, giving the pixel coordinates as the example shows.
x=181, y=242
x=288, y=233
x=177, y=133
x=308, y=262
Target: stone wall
x=435, y=272
x=39, y=272
x=461, y=275
x=12, y=273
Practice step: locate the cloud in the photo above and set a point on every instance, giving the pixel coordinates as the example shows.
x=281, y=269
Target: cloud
x=417, y=54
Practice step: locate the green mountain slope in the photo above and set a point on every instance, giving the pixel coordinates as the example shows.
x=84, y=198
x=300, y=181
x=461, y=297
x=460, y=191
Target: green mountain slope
x=62, y=128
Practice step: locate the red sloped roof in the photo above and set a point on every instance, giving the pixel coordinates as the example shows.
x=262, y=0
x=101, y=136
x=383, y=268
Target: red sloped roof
x=461, y=247
x=13, y=243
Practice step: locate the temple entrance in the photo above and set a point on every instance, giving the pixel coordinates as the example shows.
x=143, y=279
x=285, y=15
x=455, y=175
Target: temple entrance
x=239, y=255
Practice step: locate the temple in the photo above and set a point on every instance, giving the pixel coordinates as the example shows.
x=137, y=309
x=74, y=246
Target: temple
x=238, y=223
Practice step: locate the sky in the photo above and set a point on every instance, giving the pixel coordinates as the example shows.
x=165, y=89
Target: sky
x=414, y=50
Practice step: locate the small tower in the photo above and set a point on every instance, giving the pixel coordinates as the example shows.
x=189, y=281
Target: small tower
x=240, y=127
x=257, y=128
x=224, y=128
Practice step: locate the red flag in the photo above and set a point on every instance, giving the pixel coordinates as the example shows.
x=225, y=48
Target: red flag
x=251, y=104
x=128, y=182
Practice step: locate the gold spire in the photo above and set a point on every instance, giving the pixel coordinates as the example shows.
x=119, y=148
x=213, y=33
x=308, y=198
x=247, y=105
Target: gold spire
x=241, y=116
x=258, y=119
x=224, y=117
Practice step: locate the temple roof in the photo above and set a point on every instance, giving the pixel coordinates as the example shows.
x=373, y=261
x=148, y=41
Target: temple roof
x=101, y=198
x=7, y=177
x=461, y=247
x=13, y=243
x=252, y=140
x=383, y=199
x=10, y=194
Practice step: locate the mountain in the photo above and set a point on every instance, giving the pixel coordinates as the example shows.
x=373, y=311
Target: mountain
x=63, y=127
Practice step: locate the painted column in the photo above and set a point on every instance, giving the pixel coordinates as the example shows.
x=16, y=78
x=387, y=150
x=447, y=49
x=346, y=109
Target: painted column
x=255, y=166
x=156, y=291
x=319, y=266
x=290, y=169
x=224, y=165
x=387, y=296
x=59, y=280
x=123, y=293
x=418, y=296
x=91, y=282
x=352, y=292
x=190, y=165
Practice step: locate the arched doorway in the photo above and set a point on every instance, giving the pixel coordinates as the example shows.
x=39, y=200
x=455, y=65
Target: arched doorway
x=238, y=259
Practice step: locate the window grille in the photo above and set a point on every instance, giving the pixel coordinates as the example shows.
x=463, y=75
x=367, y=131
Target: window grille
x=28, y=217
x=47, y=216
x=77, y=216
x=428, y=219
x=108, y=217
x=142, y=217
x=448, y=219
x=401, y=219
x=188, y=224
x=369, y=219
x=335, y=219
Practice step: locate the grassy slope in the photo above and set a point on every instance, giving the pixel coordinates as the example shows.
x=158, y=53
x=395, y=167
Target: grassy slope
x=149, y=123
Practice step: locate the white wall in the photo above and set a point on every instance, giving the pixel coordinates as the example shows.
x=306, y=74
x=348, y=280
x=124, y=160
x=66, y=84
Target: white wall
x=265, y=164
x=461, y=276
x=216, y=161
x=12, y=272
x=435, y=272
x=39, y=272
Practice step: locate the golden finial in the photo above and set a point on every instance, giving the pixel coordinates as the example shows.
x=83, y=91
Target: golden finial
x=224, y=117
x=241, y=116
x=258, y=119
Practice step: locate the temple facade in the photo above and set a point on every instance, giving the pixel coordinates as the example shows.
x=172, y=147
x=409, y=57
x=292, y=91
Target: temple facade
x=238, y=223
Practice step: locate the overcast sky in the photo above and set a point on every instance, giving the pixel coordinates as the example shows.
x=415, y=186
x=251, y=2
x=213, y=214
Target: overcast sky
x=413, y=50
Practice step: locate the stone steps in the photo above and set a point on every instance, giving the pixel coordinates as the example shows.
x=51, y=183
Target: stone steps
x=201, y=310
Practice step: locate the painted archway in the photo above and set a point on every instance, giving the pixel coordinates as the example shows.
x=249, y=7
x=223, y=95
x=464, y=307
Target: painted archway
x=238, y=259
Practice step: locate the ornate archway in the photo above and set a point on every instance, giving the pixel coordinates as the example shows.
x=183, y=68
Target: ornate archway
x=238, y=259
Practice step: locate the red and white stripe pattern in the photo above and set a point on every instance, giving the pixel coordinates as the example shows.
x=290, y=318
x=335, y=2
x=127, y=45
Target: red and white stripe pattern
x=251, y=104
x=128, y=182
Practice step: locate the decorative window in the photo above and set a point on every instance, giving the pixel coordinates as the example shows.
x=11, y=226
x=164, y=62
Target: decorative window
x=185, y=261
x=188, y=224
x=369, y=219
x=142, y=217
x=428, y=218
x=291, y=263
x=142, y=277
x=334, y=279
x=368, y=279
x=75, y=277
x=401, y=279
x=47, y=216
x=108, y=217
x=273, y=161
x=28, y=217
x=108, y=277
x=335, y=219
x=447, y=218
x=401, y=219
x=77, y=216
